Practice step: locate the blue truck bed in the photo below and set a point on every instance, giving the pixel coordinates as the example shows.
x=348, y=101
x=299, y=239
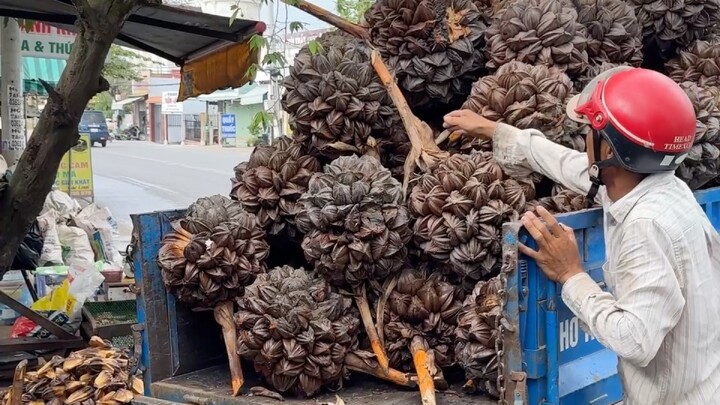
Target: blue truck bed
x=551, y=358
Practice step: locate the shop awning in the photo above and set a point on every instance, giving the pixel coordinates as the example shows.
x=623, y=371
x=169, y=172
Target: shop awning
x=213, y=53
x=119, y=105
x=249, y=94
x=41, y=68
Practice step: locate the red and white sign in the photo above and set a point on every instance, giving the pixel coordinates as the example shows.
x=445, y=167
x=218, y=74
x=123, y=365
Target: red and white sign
x=170, y=104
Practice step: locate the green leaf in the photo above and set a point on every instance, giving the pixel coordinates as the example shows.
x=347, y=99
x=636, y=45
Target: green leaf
x=274, y=58
x=257, y=42
x=252, y=71
x=315, y=47
x=296, y=26
x=233, y=17
x=28, y=25
x=262, y=119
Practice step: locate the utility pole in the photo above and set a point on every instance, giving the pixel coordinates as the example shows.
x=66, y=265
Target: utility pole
x=13, y=106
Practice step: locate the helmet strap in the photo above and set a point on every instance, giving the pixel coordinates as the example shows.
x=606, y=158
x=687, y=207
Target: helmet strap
x=594, y=172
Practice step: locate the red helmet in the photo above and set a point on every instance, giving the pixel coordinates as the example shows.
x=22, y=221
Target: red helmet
x=647, y=119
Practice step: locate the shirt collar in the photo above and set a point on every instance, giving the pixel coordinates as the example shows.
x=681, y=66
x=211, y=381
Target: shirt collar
x=619, y=209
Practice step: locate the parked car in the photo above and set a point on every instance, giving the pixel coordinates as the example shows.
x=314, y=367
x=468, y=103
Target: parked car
x=93, y=123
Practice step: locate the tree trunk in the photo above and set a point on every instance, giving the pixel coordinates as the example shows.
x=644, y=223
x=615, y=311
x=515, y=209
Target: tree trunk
x=99, y=22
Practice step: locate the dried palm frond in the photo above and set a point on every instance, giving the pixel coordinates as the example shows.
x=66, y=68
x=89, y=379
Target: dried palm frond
x=538, y=32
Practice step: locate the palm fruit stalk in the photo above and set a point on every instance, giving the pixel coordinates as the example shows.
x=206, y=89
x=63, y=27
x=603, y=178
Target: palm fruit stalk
x=460, y=207
x=673, y=24
x=269, y=186
x=99, y=374
x=527, y=97
x=420, y=333
x=699, y=63
x=702, y=163
x=337, y=104
x=476, y=334
x=209, y=258
x=356, y=229
x=434, y=47
x=613, y=33
x=300, y=335
x=538, y=32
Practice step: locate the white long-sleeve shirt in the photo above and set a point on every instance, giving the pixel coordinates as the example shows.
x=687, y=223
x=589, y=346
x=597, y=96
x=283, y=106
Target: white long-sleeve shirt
x=662, y=314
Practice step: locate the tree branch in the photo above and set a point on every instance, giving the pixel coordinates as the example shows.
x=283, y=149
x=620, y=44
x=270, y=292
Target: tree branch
x=330, y=18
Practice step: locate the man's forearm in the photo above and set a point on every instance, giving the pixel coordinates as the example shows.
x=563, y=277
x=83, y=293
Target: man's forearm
x=521, y=152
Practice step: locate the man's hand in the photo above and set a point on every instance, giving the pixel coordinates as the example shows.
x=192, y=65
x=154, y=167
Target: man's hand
x=468, y=122
x=558, y=254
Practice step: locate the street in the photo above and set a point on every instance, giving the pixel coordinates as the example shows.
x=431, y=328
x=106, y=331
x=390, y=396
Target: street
x=133, y=177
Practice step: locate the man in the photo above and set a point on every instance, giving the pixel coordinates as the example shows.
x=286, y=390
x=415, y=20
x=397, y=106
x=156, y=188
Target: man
x=662, y=314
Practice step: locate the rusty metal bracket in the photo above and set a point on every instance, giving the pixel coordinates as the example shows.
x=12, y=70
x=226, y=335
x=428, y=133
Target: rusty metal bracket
x=137, y=346
x=518, y=382
x=51, y=326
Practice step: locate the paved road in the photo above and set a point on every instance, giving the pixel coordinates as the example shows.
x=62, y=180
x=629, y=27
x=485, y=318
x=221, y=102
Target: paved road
x=134, y=177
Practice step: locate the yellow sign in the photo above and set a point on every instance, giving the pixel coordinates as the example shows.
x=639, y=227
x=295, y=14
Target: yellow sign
x=75, y=173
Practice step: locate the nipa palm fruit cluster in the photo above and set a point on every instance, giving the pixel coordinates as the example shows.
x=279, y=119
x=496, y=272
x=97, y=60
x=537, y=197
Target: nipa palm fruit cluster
x=296, y=331
x=212, y=253
x=412, y=258
x=99, y=374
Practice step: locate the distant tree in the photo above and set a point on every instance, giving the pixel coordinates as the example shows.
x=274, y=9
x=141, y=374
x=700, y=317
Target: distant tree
x=98, y=24
x=124, y=67
x=353, y=10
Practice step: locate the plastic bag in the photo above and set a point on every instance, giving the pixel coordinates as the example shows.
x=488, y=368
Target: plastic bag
x=63, y=305
x=94, y=219
x=59, y=201
x=28, y=254
x=52, y=248
x=76, y=246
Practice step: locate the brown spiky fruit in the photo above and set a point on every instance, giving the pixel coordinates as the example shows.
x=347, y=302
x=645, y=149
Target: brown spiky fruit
x=527, y=97
x=422, y=304
x=562, y=201
x=460, y=207
x=670, y=24
x=434, y=47
x=208, y=212
x=336, y=102
x=476, y=334
x=538, y=32
x=592, y=72
x=700, y=64
x=356, y=226
x=702, y=163
x=613, y=33
x=210, y=257
x=296, y=331
x=272, y=182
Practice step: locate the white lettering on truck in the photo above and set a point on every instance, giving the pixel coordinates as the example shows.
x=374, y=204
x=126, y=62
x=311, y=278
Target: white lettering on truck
x=569, y=334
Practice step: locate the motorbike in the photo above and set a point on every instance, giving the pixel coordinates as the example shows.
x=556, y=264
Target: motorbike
x=133, y=133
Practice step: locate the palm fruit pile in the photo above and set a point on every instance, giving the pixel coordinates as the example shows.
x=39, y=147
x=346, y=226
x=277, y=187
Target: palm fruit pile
x=425, y=259
x=435, y=48
x=296, y=331
x=337, y=104
x=212, y=253
x=99, y=374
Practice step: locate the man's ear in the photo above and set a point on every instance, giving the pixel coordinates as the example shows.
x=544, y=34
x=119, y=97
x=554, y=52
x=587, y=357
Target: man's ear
x=605, y=150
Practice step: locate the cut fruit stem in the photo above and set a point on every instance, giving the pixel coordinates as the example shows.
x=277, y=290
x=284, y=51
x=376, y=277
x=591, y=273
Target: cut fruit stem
x=371, y=329
x=418, y=348
x=356, y=363
x=16, y=390
x=224, y=317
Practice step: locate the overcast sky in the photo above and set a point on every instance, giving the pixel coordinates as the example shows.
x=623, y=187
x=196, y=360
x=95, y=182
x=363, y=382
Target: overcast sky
x=293, y=14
